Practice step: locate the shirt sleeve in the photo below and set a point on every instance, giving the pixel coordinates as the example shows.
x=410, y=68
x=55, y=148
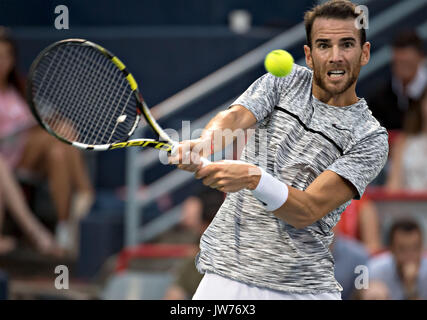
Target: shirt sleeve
x=378, y=269
x=264, y=94
x=364, y=161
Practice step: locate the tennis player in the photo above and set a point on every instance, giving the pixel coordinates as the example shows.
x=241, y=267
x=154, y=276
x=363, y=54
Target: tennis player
x=270, y=239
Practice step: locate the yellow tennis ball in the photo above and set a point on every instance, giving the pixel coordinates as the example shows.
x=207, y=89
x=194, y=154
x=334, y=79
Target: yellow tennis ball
x=279, y=63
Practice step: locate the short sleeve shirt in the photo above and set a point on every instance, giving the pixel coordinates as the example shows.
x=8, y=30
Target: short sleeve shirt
x=383, y=268
x=297, y=138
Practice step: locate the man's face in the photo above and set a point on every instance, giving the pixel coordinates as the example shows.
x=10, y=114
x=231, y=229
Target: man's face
x=336, y=55
x=405, y=63
x=407, y=247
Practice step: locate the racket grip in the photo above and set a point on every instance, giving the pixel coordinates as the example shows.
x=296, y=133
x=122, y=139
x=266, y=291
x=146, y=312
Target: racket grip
x=204, y=161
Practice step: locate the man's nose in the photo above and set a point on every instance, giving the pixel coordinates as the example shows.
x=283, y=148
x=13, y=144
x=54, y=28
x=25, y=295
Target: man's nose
x=335, y=55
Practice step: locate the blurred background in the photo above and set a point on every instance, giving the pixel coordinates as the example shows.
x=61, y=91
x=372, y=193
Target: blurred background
x=123, y=225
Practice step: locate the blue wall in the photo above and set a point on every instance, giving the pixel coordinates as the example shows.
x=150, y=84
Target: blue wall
x=151, y=12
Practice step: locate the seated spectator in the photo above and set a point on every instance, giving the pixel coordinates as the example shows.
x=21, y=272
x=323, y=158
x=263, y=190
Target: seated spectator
x=408, y=168
x=33, y=153
x=348, y=254
x=377, y=291
x=403, y=270
x=198, y=213
x=12, y=197
x=392, y=99
x=360, y=222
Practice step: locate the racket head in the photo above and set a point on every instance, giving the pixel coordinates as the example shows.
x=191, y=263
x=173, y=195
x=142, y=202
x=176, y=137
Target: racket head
x=84, y=95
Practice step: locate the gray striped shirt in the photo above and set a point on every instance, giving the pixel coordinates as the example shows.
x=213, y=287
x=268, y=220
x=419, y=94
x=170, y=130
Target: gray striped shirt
x=303, y=138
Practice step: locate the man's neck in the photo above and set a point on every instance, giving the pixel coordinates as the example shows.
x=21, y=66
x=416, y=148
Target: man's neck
x=341, y=100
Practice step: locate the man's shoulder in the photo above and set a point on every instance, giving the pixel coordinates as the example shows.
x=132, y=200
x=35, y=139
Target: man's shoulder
x=299, y=76
x=354, y=250
x=383, y=261
x=302, y=70
x=367, y=126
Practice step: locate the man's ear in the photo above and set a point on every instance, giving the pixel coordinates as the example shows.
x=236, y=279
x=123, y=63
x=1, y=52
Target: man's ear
x=366, y=53
x=308, y=59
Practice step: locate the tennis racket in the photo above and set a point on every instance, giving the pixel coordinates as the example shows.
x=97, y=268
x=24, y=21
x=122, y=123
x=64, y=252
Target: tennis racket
x=83, y=95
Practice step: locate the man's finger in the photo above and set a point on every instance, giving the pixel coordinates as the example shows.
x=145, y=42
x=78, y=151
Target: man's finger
x=205, y=171
x=211, y=180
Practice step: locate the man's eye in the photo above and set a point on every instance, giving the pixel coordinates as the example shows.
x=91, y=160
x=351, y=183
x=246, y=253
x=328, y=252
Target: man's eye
x=322, y=46
x=348, y=44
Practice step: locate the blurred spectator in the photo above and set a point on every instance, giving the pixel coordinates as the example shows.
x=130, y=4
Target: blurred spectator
x=34, y=154
x=348, y=254
x=392, y=99
x=377, y=291
x=403, y=270
x=408, y=168
x=360, y=222
x=198, y=212
x=4, y=290
x=12, y=196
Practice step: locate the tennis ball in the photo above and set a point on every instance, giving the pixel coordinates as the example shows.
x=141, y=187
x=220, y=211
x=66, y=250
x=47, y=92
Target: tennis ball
x=279, y=63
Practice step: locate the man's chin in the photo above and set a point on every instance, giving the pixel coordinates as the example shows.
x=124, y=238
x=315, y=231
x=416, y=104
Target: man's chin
x=335, y=89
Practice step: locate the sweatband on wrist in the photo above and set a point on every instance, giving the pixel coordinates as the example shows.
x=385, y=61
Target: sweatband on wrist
x=270, y=191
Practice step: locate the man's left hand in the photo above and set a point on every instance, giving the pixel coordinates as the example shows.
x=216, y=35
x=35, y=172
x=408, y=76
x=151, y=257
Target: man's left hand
x=230, y=175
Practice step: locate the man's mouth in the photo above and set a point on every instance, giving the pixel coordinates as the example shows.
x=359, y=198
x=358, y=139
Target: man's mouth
x=336, y=74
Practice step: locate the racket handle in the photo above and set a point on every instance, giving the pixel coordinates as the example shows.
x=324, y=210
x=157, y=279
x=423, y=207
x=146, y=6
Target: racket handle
x=204, y=161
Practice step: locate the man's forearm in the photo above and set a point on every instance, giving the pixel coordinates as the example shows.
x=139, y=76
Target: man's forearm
x=303, y=208
x=213, y=133
x=225, y=127
x=299, y=210
x=291, y=205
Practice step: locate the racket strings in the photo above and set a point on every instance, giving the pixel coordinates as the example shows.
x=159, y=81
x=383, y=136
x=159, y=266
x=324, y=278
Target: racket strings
x=58, y=90
x=107, y=89
x=118, y=121
x=86, y=97
x=70, y=86
x=47, y=84
x=105, y=121
x=82, y=96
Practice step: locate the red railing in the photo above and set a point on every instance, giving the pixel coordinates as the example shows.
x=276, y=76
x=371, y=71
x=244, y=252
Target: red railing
x=381, y=194
x=160, y=251
x=157, y=251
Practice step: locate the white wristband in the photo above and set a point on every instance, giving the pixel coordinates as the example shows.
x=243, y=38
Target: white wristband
x=270, y=191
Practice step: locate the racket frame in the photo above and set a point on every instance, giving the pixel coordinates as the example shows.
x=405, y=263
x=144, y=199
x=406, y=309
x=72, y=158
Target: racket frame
x=142, y=109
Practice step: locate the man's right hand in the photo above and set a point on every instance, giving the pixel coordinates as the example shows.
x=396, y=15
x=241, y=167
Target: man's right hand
x=188, y=153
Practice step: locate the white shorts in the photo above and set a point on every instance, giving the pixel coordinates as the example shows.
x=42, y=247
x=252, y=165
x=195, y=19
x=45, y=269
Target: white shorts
x=215, y=287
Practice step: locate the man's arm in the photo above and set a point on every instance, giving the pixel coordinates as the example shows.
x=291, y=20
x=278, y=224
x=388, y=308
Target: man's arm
x=326, y=193
x=302, y=208
x=234, y=118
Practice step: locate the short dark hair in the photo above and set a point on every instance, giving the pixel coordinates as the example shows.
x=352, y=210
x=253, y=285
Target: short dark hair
x=408, y=38
x=338, y=9
x=403, y=224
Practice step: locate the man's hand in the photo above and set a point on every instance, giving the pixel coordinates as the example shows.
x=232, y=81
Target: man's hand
x=229, y=175
x=187, y=154
x=410, y=276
